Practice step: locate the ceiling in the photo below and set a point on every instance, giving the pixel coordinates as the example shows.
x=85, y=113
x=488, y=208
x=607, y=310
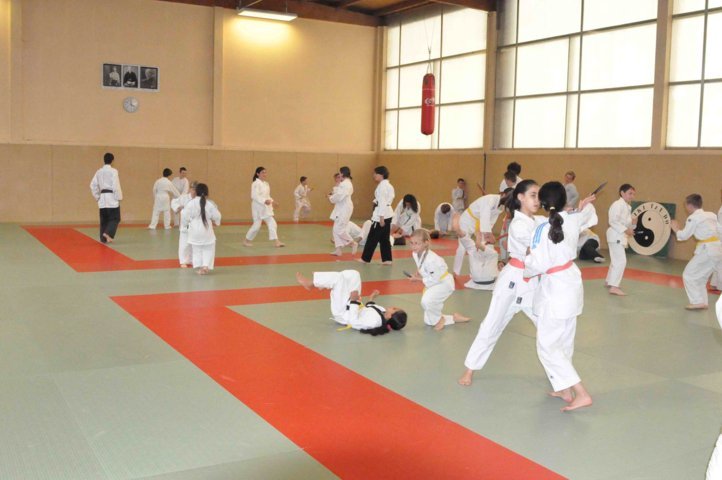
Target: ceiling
x=371, y=13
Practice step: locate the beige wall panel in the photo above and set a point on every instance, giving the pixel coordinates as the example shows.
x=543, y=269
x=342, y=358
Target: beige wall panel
x=229, y=181
x=63, y=98
x=282, y=177
x=27, y=187
x=319, y=168
x=303, y=86
x=5, y=64
x=195, y=160
x=362, y=167
x=73, y=168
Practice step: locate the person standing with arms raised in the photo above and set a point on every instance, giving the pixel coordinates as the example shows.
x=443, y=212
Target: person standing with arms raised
x=106, y=190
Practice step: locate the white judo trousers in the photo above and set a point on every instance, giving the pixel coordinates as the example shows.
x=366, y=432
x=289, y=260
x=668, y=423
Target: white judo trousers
x=555, y=347
x=185, y=252
x=467, y=224
x=696, y=274
x=432, y=301
x=204, y=255
x=270, y=223
x=511, y=296
x=341, y=285
x=714, y=468
x=617, y=263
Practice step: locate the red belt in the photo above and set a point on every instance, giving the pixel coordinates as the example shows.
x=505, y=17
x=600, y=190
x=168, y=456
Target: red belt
x=515, y=262
x=560, y=268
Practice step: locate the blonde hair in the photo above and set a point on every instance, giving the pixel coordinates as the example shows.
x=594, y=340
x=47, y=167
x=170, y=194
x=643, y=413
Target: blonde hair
x=422, y=234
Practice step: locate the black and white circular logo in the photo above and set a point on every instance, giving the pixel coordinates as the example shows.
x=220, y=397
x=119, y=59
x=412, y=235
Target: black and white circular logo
x=653, y=228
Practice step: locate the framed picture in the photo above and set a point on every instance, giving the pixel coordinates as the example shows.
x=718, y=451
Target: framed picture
x=130, y=76
x=149, y=78
x=111, y=75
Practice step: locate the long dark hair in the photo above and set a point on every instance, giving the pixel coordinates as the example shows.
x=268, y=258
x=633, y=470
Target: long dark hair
x=512, y=203
x=346, y=172
x=410, y=199
x=202, y=192
x=258, y=170
x=553, y=198
x=396, y=322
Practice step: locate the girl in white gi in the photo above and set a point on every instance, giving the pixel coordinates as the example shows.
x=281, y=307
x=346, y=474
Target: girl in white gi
x=459, y=196
x=198, y=218
x=442, y=220
x=262, y=209
x=559, y=299
x=483, y=260
x=381, y=219
x=347, y=307
x=162, y=190
x=478, y=220
x=512, y=293
x=407, y=217
x=342, y=211
x=177, y=205
x=432, y=270
x=303, y=203
x=620, y=229
x=703, y=227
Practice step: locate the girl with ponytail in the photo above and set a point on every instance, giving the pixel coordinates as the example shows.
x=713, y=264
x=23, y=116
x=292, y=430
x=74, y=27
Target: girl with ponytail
x=198, y=218
x=262, y=209
x=559, y=298
x=347, y=307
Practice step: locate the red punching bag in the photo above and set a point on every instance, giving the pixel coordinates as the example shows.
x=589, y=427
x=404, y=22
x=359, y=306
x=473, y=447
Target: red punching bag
x=428, y=94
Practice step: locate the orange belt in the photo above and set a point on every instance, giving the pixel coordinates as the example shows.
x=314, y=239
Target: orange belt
x=515, y=262
x=560, y=268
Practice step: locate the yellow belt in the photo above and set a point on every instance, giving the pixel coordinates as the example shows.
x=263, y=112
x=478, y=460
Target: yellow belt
x=348, y=325
x=478, y=222
x=446, y=274
x=711, y=239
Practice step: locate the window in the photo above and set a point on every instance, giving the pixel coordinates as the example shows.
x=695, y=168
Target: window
x=451, y=43
x=575, y=73
x=695, y=90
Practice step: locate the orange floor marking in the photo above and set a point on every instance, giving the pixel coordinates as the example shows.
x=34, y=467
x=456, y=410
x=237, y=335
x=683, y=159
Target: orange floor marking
x=355, y=427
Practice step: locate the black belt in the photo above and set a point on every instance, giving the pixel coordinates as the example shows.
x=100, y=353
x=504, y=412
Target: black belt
x=105, y=190
x=484, y=283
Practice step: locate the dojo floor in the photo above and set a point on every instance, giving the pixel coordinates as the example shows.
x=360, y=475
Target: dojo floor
x=117, y=364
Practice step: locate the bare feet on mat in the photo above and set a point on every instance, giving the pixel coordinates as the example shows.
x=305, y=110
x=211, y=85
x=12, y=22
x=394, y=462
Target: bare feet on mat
x=203, y=271
x=361, y=260
x=305, y=282
x=280, y=244
x=439, y=325
x=616, y=291
x=579, y=401
x=387, y=262
x=337, y=252
x=108, y=238
x=183, y=265
x=465, y=379
x=247, y=243
x=697, y=306
x=565, y=395
x=459, y=318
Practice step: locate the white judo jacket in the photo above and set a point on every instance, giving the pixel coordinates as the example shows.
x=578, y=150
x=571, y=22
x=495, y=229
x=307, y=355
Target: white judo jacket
x=620, y=219
x=383, y=199
x=341, y=199
x=191, y=221
x=163, y=189
x=703, y=227
x=260, y=192
x=406, y=219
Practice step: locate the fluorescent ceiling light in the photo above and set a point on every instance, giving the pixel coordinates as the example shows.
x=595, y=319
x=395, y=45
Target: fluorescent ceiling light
x=267, y=14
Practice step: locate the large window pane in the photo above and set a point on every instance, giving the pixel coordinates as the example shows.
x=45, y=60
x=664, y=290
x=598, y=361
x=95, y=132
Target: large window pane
x=507, y=22
x=410, y=85
x=619, y=58
x=542, y=67
x=686, y=59
x=546, y=18
x=464, y=31
x=574, y=50
x=392, y=45
x=713, y=62
x=417, y=36
x=714, y=4
x=391, y=134
x=503, y=123
x=392, y=88
x=570, y=140
x=607, y=13
x=683, y=116
x=462, y=78
x=539, y=122
x=461, y=126
x=410, y=136
x=505, y=59
x=712, y=116
x=616, y=119
x=682, y=6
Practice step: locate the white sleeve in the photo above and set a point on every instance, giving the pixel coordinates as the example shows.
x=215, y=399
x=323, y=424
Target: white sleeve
x=215, y=214
x=616, y=218
x=339, y=193
x=94, y=188
x=587, y=217
x=117, y=191
x=186, y=186
x=173, y=191
x=437, y=213
x=689, y=228
x=297, y=192
x=485, y=221
x=257, y=193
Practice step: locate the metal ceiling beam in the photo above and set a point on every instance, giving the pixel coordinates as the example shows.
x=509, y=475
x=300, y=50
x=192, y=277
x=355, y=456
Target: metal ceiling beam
x=399, y=7
x=486, y=5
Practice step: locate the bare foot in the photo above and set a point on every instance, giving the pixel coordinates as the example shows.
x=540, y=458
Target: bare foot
x=697, y=306
x=354, y=248
x=565, y=395
x=203, y=271
x=108, y=238
x=459, y=318
x=617, y=291
x=247, y=243
x=361, y=260
x=465, y=379
x=579, y=401
x=337, y=252
x=183, y=265
x=439, y=325
x=387, y=262
x=305, y=282
x=280, y=244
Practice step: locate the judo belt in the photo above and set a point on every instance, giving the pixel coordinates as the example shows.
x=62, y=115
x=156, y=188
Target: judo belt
x=560, y=268
x=348, y=325
x=484, y=283
x=478, y=222
x=708, y=240
x=105, y=190
x=446, y=274
x=515, y=262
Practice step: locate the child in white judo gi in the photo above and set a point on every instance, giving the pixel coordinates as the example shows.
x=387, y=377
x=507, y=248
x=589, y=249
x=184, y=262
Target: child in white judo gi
x=340, y=197
x=407, y=217
x=512, y=292
x=185, y=255
x=347, y=307
x=303, y=203
x=559, y=298
x=262, y=209
x=621, y=227
x=459, y=197
x=432, y=270
x=483, y=260
x=707, y=255
x=716, y=281
x=182, y=184
x=163, y=189
x=442, y=220
x=198, y=217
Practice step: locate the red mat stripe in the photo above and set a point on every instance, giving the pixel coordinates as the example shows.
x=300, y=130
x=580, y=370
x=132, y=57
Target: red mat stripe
x=353, y=426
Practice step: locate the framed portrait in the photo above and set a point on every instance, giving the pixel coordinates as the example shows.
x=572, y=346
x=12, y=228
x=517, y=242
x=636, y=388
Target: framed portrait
x=131, y=75
x=149, y=78
x=111, y=75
